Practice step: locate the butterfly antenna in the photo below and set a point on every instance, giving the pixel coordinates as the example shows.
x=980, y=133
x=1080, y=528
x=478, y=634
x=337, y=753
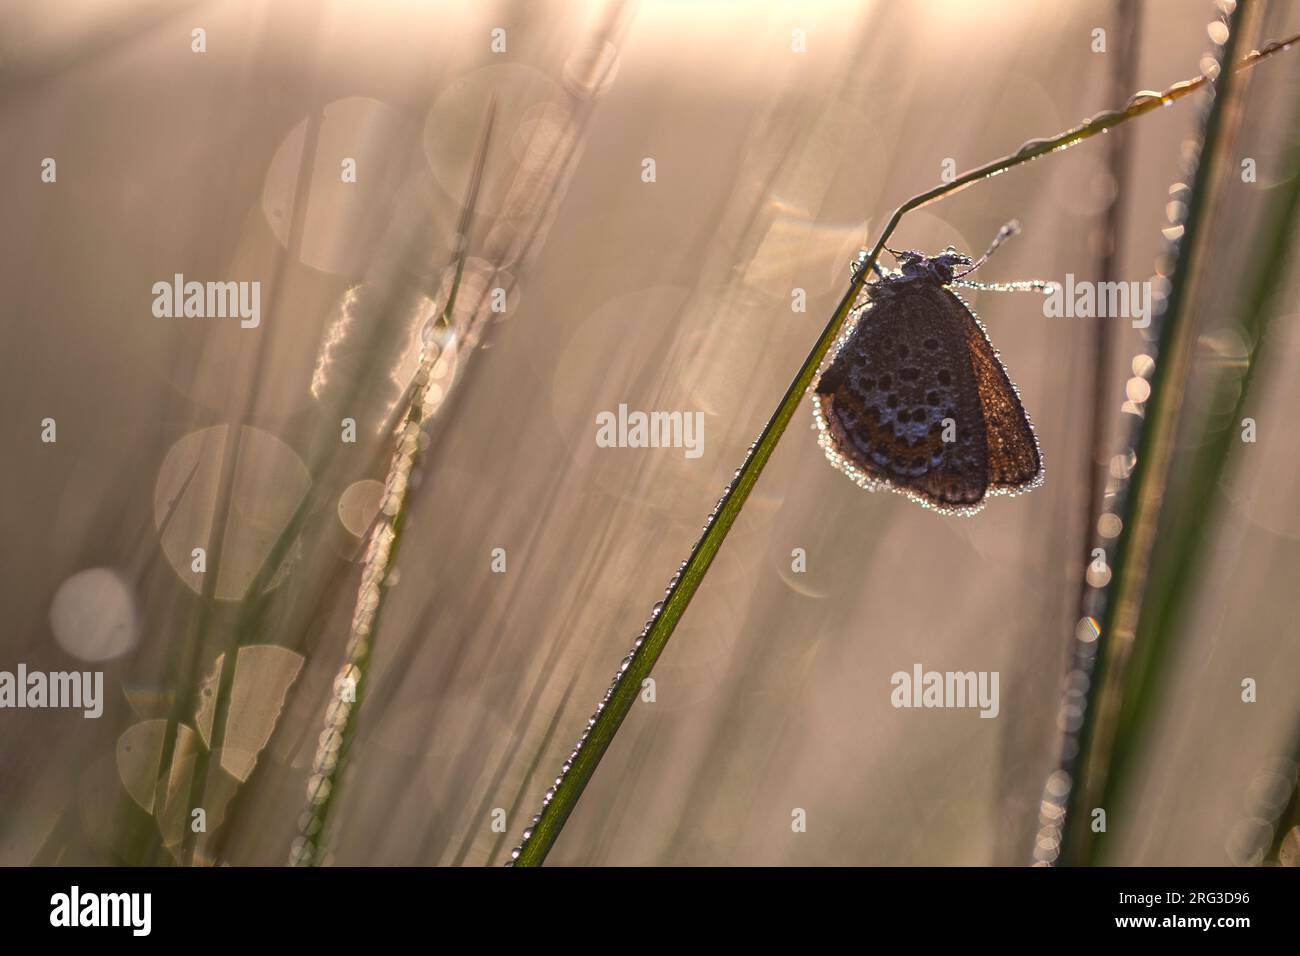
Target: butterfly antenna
x=1012, y=228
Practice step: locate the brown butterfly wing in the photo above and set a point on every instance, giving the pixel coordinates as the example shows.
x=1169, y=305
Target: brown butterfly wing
x=1014, y=460
x=886, y=395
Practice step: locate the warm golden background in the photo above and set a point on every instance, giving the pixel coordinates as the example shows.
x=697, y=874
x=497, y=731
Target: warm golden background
x=773, y=168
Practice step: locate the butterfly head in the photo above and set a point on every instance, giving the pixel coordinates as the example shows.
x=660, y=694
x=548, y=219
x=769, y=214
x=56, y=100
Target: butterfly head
x=940, y=268
x=918, y=267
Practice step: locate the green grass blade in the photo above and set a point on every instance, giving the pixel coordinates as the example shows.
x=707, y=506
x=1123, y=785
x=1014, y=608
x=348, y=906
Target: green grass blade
x=381, y=555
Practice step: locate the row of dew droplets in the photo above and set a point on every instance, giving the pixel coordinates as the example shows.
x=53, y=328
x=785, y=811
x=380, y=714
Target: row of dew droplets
x=655, y=611
x=375, y=573
x=445, y=330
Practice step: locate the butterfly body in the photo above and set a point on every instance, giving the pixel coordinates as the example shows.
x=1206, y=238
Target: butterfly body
x=916, y=400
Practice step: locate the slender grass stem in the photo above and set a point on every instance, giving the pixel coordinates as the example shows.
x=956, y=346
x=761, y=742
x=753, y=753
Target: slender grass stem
x=190, y=658
x=580, y=765
x=1103, y=333
x=381, y=555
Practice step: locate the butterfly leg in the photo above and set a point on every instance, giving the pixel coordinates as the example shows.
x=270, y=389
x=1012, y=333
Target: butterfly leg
x=1028, y=285
x=859, y=260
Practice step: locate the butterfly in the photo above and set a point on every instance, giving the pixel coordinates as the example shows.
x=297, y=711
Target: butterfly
x=915, y=398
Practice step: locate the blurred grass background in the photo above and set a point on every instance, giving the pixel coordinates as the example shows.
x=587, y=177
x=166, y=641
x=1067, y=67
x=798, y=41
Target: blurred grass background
x=772, y=169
